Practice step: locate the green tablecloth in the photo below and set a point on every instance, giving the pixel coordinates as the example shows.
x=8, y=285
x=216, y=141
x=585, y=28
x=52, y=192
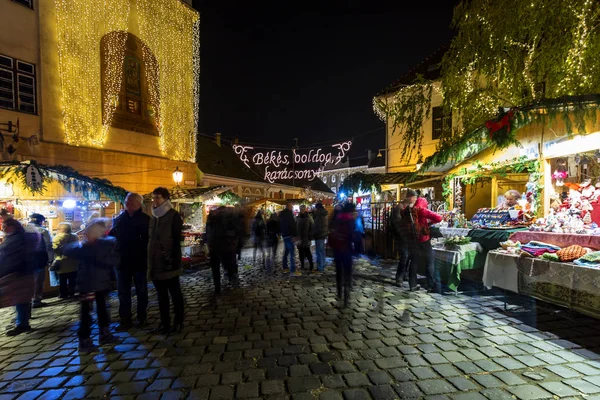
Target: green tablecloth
x=490, y=239
x=450, y=273
x=450, y=263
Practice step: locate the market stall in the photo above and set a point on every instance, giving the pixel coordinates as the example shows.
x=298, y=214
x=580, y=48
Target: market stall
x=59, y=193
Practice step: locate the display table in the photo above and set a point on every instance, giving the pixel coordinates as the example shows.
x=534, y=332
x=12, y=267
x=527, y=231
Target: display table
x=490, y=239
x=557, y=239
x=450, y=263
x=449, y=232
x=564, y=284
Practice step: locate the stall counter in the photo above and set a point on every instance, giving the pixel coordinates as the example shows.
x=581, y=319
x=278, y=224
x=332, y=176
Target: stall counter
x=557, y=239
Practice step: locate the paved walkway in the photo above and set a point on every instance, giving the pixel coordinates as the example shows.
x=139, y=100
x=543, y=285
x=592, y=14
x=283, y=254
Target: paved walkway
x=277, y=337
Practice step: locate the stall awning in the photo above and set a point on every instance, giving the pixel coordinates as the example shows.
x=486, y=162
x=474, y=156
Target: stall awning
x=281, y=202
x=192, y=195
x=365, y=182
x=35, y=178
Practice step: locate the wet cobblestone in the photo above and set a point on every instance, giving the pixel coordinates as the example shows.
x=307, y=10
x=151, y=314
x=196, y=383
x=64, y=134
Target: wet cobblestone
x=277, y=337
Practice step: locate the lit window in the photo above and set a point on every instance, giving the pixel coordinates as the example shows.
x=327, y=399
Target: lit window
x=17, y=85
x=333, y=179
x=324, y=179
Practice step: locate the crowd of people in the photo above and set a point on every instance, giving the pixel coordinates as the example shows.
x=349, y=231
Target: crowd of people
x=137, y=247
x=134, y=248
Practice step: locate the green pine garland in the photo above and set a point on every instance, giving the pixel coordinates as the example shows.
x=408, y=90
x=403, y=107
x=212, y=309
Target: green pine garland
x=71, y=180
x=230, y=198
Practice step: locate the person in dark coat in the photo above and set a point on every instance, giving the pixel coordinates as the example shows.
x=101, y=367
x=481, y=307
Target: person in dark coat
x=44, y=256
x=164, y=260
x=258, y=235
x=341, y=239
x=273, y=232
x=320, y=234
x=288, y=228
x=403, y=236
x=131, y=229
x=305, y=225
x=16, y=273
x=215, y=237
x=97, y=257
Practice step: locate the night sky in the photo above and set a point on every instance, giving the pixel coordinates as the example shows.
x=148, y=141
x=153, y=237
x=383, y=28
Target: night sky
x=275, y=71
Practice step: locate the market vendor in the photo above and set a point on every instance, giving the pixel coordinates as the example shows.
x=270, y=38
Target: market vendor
x=511, y=198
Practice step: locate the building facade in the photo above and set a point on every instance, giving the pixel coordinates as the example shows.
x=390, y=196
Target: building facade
x=107, y=88
x=333, y=176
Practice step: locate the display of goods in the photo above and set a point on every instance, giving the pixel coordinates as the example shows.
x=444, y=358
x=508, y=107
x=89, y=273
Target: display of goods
x=457, y=240
x=571, y=253
x=490, y=217
x=510, y=243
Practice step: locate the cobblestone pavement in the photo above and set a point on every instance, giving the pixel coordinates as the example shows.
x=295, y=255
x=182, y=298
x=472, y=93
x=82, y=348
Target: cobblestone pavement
x=277, y=337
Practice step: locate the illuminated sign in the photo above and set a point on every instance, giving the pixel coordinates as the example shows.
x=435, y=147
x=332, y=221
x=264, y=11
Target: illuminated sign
x=280, y=165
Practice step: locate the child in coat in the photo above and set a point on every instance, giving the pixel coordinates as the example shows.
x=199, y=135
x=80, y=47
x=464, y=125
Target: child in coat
x=97, y=258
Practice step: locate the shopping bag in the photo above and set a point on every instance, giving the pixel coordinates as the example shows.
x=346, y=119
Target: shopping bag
x=54, y=278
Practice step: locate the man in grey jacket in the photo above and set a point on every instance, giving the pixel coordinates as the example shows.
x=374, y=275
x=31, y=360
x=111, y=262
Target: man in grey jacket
x=164, y=260
x=43, y=256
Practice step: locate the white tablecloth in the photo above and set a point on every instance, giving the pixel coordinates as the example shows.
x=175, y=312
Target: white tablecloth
x=500, y=270
x=448, y=232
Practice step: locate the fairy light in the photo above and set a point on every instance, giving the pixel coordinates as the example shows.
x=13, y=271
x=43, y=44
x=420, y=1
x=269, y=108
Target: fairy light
x=81, y=26
x=574, y=63
x=171, y=31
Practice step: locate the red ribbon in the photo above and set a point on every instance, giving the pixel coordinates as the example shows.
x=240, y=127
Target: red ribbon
x=495, y=126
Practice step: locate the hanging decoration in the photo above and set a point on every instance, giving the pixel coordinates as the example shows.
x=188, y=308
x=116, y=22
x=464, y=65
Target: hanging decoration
x=171, y=29
x=280, y=165
x=81, y=26
x=35, y=178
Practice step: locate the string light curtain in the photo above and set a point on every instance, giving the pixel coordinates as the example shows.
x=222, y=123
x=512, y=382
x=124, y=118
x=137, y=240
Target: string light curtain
x=171, y=30
x=81, y=26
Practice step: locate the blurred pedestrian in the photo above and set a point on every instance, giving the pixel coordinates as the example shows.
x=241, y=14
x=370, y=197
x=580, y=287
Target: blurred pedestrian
x=340, y=238
x=305, y=226
x=320, y=234
x=65, y=266
x=287, y=224
x=44, y=255
x=273, y=232
x=131, y=229
x=258, y=235
x=16, y=273
x=97, y=257
x=215, y=237
x=164, y=260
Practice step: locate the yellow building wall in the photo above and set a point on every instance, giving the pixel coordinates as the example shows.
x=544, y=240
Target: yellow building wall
x=20, y=40
x=395, y=161
x=129, y=159
x=52, y=118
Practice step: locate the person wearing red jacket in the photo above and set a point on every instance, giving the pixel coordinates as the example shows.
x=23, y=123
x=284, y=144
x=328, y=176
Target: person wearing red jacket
x=419, y=218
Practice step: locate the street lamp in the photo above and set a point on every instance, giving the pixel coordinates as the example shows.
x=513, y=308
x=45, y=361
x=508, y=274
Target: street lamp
x=177, y=176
